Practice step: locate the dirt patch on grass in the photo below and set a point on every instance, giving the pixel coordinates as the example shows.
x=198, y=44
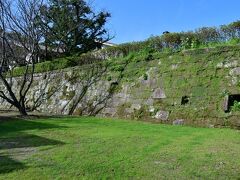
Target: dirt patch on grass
x=20, y=153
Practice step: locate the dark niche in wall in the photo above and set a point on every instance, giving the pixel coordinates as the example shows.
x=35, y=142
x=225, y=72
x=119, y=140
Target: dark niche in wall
x=185, y=100
x=231, y=101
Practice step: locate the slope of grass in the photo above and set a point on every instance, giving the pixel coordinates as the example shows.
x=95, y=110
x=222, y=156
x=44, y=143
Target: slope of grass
x=93, y=148
x=142, y=53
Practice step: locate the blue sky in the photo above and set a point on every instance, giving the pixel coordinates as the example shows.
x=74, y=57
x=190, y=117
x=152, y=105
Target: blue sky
x=134, y=20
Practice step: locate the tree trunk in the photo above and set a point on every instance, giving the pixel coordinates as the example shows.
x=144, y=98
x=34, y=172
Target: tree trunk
x=22, y=111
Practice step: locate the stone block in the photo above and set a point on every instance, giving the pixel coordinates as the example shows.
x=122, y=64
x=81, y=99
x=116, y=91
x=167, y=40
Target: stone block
x=136, y=106
x=159, y=94
x=109, y=111
x=149, y=102
x=162, y=115
x=151, y=109
x=178, y=122
x=225, y=104
x=129, y=110
x=235, y=71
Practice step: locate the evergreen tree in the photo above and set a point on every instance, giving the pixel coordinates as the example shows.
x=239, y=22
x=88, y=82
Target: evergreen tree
x=72, y=26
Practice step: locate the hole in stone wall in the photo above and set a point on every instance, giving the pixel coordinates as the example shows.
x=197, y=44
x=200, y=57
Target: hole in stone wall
x=185, y=100
x=232, y=99
x=114, y=83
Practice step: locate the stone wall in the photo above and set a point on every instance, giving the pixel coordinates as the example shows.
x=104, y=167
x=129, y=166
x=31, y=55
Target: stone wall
x=184, y=88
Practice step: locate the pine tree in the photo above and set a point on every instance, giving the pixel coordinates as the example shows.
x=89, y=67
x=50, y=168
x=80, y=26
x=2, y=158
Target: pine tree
x=72, y=26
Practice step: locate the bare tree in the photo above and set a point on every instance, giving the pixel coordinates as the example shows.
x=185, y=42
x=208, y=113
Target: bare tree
x=20, y=39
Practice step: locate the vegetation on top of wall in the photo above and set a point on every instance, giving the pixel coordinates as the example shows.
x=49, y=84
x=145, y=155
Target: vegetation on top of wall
x=199, y=40
x=141, y=58
x=204, y=37
x=60, y=63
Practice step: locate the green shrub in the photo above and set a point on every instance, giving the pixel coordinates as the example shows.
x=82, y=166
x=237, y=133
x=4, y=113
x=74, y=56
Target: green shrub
x=234, y=41
x=117, y=68
x=145, y=77
x=109, y=78
x=236, y=106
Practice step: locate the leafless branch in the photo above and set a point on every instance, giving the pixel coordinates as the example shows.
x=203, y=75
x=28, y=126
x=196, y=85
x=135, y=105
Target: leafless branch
x=20, y=45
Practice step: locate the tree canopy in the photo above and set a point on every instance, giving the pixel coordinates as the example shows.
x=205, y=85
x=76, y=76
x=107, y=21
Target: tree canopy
x=72, y=26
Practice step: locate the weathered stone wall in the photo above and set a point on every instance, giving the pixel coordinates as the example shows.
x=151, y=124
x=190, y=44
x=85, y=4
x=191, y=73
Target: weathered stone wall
x=184, y=88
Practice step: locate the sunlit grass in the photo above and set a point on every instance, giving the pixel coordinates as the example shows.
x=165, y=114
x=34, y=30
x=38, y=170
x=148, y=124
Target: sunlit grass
x=93, y=148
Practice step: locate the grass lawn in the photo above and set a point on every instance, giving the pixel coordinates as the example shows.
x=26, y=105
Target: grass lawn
x=93, y=148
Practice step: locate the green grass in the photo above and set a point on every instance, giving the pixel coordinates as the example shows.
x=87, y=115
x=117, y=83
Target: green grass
x=93, y=148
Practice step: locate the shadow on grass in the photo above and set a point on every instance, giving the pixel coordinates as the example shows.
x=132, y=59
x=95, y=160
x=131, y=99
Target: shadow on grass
x=17, y=125
x=12, y=136
x=8, y=165
x=25, y=141
x=6, y=117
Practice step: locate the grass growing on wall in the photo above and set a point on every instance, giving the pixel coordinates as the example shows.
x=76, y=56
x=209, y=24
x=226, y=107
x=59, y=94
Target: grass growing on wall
x=141, y=54
x=192, y=73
